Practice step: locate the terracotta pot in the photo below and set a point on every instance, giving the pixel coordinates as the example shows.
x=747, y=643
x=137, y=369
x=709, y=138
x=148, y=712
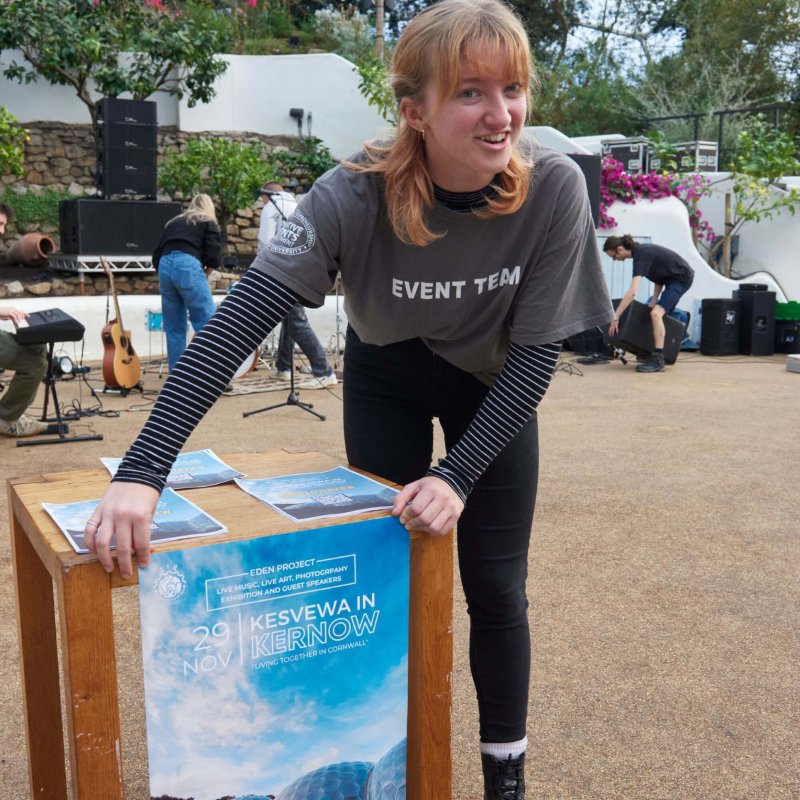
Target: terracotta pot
x=32, y=250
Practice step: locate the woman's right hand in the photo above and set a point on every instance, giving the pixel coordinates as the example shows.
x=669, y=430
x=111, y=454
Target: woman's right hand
x=125, y=513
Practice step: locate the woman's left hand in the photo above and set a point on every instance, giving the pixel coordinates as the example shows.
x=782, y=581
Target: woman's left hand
x=429, y=505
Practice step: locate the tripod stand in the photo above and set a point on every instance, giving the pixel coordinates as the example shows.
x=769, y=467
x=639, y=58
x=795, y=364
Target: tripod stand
x=59, y=426
x=292, y=398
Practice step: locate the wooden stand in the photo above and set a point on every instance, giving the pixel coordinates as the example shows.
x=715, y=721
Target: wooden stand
x=43, y=559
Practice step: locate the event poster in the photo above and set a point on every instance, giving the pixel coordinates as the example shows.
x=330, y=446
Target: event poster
x=175, y=518
x=278, y=666
x=191, y=470
x=320, y=495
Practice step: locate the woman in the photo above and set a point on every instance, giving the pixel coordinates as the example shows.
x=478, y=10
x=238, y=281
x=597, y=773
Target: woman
x=671, y=276
x=189, y=245
x=465, y=258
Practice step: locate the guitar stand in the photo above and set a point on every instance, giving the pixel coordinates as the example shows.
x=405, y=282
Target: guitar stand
x=124, y=392
x=58, y=425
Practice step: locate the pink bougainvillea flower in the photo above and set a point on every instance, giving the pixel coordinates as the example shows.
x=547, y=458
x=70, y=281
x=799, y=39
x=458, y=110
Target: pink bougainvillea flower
x=617, y=185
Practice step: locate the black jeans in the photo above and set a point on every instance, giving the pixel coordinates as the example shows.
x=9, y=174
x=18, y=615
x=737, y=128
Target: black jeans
x=296, y=328
x=391, y=395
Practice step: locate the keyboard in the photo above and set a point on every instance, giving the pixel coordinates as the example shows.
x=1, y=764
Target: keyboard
x=50, y=325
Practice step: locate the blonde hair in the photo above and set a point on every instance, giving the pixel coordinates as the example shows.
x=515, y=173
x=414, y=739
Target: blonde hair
x=201, y=209
x=432, y=47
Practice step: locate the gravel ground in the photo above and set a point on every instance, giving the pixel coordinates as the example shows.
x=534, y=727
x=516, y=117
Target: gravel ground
x=663, y=580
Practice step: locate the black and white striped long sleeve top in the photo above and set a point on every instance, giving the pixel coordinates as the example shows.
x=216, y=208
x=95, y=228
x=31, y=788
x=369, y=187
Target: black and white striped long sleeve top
x=254, y=307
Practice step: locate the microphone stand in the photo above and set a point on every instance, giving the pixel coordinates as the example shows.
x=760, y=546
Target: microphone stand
x=293, y=398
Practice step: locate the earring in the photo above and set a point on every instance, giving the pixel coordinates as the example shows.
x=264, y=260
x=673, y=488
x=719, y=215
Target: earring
x=422, y=132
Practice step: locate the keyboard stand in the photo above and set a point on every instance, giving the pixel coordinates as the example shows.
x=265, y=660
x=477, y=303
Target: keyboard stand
x=59, y=426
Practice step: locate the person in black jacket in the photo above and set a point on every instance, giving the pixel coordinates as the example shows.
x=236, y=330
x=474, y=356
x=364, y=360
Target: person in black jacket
x=190, y=244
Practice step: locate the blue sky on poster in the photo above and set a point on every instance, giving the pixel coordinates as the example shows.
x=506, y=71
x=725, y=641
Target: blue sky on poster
x=234, y=729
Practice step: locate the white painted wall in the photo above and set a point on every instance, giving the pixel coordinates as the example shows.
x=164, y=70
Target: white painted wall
x=666, y=222
x=43, y=102
x=255, y=94
x=91, y=313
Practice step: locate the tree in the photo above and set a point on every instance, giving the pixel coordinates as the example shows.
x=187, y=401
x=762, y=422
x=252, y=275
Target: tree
x=548, y=23
x=229, y=172
x=764, y=155
x=374, y=86
x=170, y=47
x=584, y=93
x=345, y=31
x=721, y=53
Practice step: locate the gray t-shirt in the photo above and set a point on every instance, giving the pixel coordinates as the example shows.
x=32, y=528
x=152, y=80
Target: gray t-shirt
x=532, y=277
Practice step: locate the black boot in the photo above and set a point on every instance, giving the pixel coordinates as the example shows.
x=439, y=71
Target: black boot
x=654, y=364
x=503, y=779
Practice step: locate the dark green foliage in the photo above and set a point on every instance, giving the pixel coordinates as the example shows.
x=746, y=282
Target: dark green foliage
x=73, y=42
x=34, y=210
x=229, y=172
x=304, y=163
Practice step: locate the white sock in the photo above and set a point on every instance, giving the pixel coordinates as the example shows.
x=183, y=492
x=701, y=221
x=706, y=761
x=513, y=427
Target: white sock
x=504, y=750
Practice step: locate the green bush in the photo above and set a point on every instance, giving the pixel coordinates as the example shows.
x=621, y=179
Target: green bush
x=12, y=143
x=308, y=159
x=34, y=211
x=228, y=171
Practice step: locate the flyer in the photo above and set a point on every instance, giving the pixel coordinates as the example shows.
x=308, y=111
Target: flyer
x=320, y=495
x=175, y=518
x=278, y=666
x=191, y=470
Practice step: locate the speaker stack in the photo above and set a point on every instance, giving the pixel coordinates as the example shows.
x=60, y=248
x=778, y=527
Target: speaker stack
x=116, y=224
x=744, y=324
x=126, y=163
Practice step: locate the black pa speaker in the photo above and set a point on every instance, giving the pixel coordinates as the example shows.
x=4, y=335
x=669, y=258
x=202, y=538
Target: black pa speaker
x=113, y=227
x=128, y=112
x=721, y=326
x=122, y=171
x=757, y=335
x=129, y=137
x=591, y=166
x=635, y=333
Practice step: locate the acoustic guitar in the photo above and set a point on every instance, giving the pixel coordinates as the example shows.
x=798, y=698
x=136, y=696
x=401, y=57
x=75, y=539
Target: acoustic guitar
x=248, y=365
x=121, y=367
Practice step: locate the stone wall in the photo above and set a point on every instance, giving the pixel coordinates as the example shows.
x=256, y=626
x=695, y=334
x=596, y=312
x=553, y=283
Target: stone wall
x=42, y=284
x=62, y=157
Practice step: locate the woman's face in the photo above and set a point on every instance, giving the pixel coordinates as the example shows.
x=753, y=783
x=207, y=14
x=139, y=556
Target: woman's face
x=469, y=136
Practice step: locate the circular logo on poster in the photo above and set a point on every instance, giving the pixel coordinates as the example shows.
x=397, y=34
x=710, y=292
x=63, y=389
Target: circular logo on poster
x=170, y=583
x=296, y=235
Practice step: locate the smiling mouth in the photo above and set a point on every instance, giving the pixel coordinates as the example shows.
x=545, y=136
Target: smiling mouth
x=494, y=138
